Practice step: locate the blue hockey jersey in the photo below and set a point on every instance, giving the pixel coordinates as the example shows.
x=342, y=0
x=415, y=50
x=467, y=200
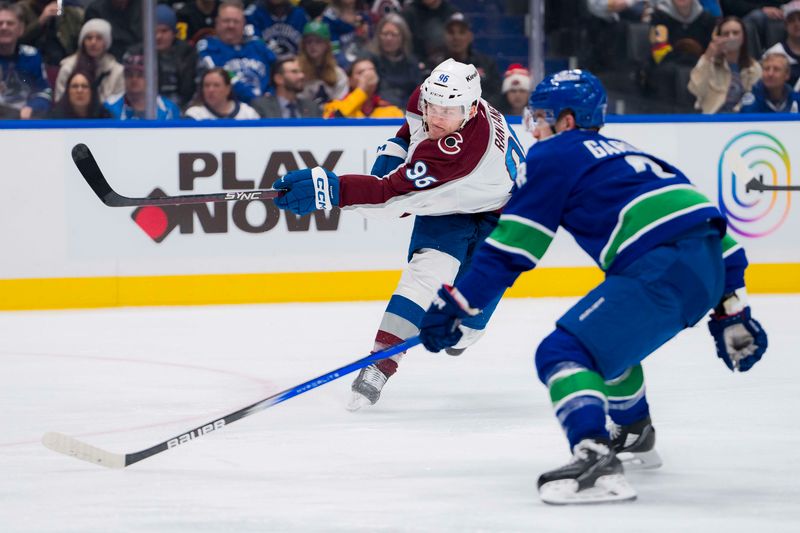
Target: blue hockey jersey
x=343, y=37
x=757, y=101
x=22, y=80
x=282, y=34
x=249, y=63
x=119, y=109
x=615, y=200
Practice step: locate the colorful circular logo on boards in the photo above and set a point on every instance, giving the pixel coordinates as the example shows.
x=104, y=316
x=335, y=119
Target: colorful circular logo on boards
x=749, y=155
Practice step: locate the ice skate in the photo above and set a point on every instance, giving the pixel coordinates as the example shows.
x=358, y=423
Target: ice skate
x=594, y=475
x=635, y=443
x=366, y=388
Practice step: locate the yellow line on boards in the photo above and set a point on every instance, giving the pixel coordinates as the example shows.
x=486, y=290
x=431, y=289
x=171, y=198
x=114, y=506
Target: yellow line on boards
x=70, y=293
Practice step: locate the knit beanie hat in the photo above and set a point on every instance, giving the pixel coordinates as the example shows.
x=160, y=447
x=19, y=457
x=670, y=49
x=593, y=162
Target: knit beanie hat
x=166, y=16
x=516, y=77
x=98, y=26
x=790, y=8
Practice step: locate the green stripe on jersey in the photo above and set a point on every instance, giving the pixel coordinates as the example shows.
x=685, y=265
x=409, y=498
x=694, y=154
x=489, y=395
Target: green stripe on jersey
x=648, y=211
x=515, y=234
x=627, y=386
x=581, y=383
x=729, y=245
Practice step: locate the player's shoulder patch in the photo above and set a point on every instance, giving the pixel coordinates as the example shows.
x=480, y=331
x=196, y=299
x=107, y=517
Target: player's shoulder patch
x=27, y=50
x=202, y=45
x=748, y=98
x=451, y=145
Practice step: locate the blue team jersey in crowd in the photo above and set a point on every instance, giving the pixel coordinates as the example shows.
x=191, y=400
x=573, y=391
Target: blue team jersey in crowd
x=22, y=80
x=344, y=36
x=282, y=34
x=615, y=200
x=249, y=63
x=120, y=110
x=756, y=101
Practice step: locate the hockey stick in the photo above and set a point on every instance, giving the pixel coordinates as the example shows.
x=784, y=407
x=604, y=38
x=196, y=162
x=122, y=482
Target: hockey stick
x=67, y=445
x=757, y=184
x=91, y=172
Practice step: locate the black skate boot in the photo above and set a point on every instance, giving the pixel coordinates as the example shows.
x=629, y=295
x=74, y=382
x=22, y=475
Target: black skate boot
x=367, y=387
x=594, y=475
x=635, y=444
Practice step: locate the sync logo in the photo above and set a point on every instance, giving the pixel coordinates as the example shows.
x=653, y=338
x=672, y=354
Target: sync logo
x=193, y=434
x=239, y=195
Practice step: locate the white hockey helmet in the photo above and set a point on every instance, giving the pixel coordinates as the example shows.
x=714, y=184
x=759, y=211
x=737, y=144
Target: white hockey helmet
x=451, y=84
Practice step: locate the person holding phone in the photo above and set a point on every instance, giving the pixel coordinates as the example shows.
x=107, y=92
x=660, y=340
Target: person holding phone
x=726, y=71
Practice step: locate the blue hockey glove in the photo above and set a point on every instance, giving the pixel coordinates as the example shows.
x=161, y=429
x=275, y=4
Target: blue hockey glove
x=391, y=155
x=439, y=328
x=308, y=190
x=739, y=338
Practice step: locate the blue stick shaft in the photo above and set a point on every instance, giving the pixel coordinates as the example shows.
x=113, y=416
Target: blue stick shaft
x=343, y=371
x=219, y=423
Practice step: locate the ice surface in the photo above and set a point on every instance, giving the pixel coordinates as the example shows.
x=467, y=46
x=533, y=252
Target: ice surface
x=455, y=444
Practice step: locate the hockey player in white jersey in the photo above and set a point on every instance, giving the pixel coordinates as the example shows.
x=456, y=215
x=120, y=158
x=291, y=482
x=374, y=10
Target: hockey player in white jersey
x=453, y=164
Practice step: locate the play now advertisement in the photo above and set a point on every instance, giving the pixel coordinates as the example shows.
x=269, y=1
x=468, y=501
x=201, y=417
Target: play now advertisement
x=55, y=227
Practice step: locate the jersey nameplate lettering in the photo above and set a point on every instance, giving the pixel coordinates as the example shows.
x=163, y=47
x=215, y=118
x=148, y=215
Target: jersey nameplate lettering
x=499, y=129
x=600, y=149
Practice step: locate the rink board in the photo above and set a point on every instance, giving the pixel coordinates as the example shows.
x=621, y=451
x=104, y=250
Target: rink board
x=63, y=248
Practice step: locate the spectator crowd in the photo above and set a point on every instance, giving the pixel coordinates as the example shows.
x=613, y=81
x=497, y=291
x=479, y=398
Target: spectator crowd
x=711, y=56
x=364, y=58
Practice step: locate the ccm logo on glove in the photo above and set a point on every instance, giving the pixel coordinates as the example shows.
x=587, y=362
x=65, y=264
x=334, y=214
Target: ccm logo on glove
x=321, y=188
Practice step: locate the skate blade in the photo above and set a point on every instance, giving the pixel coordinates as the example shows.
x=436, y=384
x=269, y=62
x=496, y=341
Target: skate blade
x=607, y=489
x=640, y=460
x=357, y=401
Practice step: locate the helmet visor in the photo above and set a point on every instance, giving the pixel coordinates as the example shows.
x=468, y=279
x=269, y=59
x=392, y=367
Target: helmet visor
x=533, y=115
x=454, y=113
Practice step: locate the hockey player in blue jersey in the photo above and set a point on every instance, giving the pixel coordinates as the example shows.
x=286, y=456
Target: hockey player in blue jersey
x=667, y=259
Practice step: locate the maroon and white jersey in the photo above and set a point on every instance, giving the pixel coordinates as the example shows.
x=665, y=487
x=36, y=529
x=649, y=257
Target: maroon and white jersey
x=469, y=171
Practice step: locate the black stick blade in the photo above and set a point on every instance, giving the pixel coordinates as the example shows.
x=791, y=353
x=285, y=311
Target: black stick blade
x=90, y=170
x=757, y=184
x=84, y=160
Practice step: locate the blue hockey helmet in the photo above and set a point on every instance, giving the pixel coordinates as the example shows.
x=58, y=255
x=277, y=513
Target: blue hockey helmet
x=577, y=90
